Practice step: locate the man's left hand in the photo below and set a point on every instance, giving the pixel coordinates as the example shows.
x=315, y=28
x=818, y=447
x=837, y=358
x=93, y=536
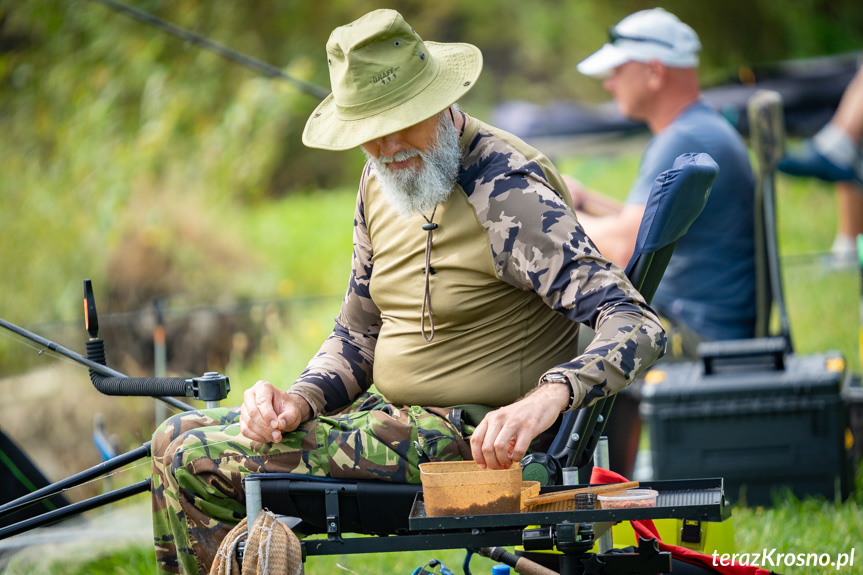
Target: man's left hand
x=503, y=436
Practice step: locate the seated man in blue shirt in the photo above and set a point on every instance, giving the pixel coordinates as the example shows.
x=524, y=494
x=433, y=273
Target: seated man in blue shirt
x=708, y=291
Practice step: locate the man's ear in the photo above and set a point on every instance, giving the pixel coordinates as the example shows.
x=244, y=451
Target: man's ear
x=657, y=75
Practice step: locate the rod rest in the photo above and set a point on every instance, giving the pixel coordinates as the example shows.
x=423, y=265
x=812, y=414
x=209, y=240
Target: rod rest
x=211, y=387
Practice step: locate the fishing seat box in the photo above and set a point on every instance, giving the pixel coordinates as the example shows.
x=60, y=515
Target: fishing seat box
x=754, y=414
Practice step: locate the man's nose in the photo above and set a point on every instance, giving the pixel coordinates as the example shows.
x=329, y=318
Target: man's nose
x=390, y=144
x=608, y=83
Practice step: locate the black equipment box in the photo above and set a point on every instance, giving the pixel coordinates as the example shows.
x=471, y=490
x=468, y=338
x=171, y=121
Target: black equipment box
x=754, y=414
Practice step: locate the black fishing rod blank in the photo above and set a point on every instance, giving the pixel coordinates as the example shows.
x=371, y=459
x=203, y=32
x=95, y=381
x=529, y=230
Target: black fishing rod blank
x=259, y=66
x=74, y=509
x=92, y=365
x=57, y=348
x=74, y=480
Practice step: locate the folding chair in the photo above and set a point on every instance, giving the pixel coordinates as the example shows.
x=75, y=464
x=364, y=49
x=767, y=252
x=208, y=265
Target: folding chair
x=337, y=507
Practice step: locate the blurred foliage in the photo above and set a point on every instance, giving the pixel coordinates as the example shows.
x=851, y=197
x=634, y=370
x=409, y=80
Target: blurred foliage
x=115, y=134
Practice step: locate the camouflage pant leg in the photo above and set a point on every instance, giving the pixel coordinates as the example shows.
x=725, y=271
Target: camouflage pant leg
x=200, y=458
x=174, y=552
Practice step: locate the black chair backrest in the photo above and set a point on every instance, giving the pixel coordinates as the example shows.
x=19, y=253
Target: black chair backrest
x=677, y=198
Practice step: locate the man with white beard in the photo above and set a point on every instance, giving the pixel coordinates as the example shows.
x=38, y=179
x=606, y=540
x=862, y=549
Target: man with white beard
x=418, y=189
x=470, y=278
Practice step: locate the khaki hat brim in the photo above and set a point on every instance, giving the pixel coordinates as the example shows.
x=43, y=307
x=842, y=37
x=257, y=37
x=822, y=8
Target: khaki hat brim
x=459, y=67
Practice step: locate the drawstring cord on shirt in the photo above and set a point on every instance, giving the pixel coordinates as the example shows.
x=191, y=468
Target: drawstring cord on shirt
x=429, y=226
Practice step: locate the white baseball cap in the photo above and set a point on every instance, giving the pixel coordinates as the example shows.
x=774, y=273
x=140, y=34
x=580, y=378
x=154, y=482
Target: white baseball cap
x=643, y=37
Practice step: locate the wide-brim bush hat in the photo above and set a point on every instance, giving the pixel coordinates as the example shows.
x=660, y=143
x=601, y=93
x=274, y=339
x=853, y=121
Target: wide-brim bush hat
x=645, y=36
x=385, y=79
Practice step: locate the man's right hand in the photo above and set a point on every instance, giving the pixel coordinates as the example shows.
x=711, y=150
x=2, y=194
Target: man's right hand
x=267, y=411
x=504, y=435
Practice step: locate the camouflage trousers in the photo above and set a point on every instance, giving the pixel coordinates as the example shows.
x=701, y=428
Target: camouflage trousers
x=200, y=459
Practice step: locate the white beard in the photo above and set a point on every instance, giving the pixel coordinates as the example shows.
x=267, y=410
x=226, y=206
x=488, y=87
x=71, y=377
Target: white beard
x=419, y=190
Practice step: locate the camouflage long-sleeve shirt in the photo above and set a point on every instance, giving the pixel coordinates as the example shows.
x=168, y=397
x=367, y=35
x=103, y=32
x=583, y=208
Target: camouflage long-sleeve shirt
x=514, y=276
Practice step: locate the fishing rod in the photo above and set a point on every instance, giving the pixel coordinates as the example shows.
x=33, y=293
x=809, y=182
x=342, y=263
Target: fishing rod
x=235, y=56
x=211, y=388
x=76, y=480
x=101, y=369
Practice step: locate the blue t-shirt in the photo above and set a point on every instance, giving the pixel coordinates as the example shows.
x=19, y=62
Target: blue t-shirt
x=709, y=284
